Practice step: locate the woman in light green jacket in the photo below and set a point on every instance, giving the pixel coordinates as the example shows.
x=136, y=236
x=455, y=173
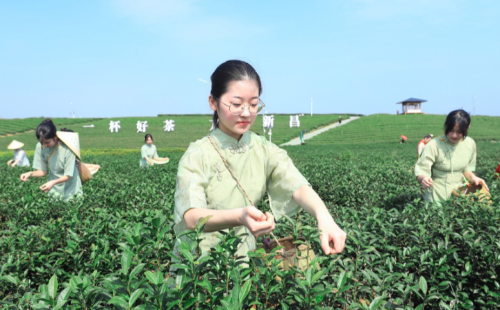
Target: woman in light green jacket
x=54, y=158
x=148, y=152
x=445, y=160
x=206, y=187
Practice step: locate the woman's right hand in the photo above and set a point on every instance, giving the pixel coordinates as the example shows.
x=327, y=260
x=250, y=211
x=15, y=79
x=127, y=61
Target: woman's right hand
x=9, y=162
x=25, y=176
x=257, y=222
x=426, y=182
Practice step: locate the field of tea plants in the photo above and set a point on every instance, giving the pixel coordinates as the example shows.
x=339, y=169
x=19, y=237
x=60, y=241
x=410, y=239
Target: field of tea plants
x=114, y=249
x=381, y=128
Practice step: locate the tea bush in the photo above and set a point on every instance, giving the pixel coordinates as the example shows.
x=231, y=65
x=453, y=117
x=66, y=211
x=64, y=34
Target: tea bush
x=115, y=249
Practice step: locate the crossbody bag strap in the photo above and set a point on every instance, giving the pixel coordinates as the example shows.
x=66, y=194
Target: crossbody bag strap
x=53, y=152
x=236, y=179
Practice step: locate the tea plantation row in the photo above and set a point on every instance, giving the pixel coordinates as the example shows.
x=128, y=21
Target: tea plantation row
x=113, y=250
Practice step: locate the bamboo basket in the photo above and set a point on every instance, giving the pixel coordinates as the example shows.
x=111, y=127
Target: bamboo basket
x=289, y=254
x=160, y=161
x=471, y=190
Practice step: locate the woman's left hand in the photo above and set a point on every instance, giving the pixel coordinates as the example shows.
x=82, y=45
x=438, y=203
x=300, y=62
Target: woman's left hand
x=47, y=186
x=479, y=181
x=332, y=237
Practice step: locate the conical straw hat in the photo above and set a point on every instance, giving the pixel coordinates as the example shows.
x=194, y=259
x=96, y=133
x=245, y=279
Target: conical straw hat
x=14, y=145
x=71, y=140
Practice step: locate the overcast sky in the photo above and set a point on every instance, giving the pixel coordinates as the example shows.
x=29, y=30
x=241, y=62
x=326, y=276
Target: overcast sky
x=142, y=58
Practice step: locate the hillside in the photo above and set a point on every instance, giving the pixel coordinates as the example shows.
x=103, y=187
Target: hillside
x=13, y=126
x=188, y=128
x=382, y=128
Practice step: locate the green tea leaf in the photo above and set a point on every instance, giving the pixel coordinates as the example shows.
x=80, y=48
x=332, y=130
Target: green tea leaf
x=342, y=279
x=377, y=302
x=423, y=285
x=133, y=297
x=126, y=261
x=136, y=270
x=120, y=301
x=245, y=289
x=52, y=287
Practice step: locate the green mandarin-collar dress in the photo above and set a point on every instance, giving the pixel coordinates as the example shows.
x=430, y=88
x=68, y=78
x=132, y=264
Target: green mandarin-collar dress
x=148, y=151
x=60, y=164
x=446, y=162
x=203, y=180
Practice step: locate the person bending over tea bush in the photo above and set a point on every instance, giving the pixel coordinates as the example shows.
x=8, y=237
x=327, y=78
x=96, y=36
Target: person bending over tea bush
x=205, y=186
x=20, y=158
x=56, y=159
x=447, y=158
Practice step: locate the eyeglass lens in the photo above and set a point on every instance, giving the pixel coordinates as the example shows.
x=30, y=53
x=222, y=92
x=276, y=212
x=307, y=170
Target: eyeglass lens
x=237, y=108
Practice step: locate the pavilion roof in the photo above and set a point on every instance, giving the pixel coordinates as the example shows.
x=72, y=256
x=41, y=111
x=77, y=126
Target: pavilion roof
x=412, y=100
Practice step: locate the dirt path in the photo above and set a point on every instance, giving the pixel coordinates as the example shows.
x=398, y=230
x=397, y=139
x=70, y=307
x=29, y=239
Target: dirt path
x=309, y=135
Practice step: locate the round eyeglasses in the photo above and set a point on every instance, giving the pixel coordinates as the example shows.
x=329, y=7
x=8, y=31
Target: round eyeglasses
x=238, y=108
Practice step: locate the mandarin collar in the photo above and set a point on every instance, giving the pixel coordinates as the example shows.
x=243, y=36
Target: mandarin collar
x=225, y=141
x=447, y=141
x=50, y=148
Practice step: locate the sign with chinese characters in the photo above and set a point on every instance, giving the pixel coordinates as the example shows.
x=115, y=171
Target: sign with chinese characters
x=268, y=123
x=169, y=125
x=114, y=126
x=294, y=121
x=141, y=126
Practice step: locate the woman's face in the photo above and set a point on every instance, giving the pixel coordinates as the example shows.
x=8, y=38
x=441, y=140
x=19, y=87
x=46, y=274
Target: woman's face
x=50, y=142
x=238, y=92
x=149, y=141
x=455, y=134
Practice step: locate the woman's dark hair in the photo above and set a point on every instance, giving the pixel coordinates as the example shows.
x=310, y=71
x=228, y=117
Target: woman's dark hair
x=46, y=130
x=459, y=117
x=148, y=136
x=230, y=71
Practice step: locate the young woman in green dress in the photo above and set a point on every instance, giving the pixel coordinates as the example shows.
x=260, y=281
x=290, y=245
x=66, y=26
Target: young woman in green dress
x=54, y=158
x=148, y=152
x=206, y=187
x=447, y=159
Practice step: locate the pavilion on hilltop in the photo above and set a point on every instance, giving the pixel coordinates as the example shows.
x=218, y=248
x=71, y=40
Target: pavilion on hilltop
x=411, y=106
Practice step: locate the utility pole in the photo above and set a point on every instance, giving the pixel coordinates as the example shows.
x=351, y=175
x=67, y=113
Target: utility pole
x=474, y=105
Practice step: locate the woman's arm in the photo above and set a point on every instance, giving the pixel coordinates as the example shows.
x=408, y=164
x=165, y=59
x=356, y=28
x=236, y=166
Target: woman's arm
x=257, y=222
x=476, y=180
x=332, y=236
x=10, y=162
x=37, y=174
x=48, y=186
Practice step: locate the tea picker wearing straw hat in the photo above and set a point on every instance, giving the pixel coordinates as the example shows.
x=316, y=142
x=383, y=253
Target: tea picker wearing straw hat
x=20, y=158
x=57, y=159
